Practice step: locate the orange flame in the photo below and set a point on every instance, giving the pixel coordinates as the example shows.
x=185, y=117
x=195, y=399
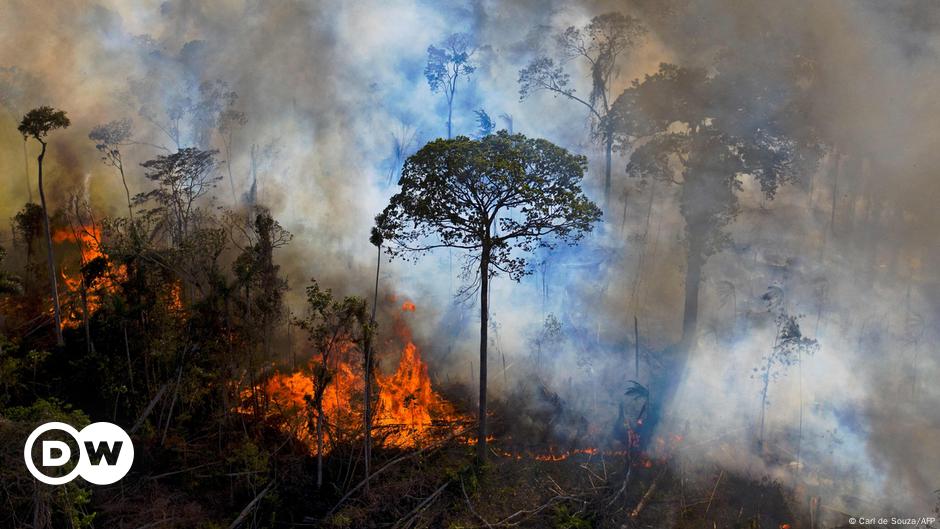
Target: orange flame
x=408, y=411
x=88, y=239
x=408, y=306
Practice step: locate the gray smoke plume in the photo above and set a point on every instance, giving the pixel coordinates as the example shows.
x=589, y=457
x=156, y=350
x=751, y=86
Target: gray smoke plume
x=331, y=90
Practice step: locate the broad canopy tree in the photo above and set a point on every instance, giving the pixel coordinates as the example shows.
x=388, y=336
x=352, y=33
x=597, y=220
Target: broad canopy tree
x=499, y=198
x=699, y=131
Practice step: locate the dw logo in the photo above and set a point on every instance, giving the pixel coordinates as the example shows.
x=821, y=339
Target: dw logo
x=105, y=453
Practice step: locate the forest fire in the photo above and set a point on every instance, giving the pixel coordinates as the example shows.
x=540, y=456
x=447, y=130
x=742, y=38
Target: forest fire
x=408, y=412
x=95, y=274
x=470, y=264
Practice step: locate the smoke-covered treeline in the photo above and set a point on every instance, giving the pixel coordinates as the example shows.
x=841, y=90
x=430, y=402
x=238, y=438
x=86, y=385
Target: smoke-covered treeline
x=762, y=283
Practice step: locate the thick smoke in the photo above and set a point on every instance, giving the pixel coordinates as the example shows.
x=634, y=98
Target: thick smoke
x=329, y=87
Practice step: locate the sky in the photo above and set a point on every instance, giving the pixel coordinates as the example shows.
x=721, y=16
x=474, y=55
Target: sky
x=327, y=87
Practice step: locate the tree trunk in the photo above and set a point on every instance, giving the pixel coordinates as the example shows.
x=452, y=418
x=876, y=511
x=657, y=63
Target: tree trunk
x=29, y=188
x=320, y=443
x=57, y=311
x=484, y=323
x=450, y=113
x=763, y=396
x=367, y=415
x=693, y=279
x=835, y=194
x=127, y=191
x=228, y=165
x=608, y=153
x=85, y=318
x=450, y=106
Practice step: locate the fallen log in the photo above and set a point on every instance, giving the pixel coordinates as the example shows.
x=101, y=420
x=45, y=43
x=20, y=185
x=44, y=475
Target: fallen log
x=148, y=409
x=410, y=517
x=649, y=494
x=252, y=505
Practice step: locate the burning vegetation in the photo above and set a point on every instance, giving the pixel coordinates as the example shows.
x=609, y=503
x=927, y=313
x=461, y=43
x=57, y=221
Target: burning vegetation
x=94, y=277
x=407, y=413
x=671, y=272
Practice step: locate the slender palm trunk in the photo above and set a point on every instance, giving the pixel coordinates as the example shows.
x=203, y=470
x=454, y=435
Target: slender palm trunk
x=57, y=311
x=367, y=416
x=484, y=317
x=766, y=380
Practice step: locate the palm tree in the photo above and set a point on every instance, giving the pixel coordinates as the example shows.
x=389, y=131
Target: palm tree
x=37, y=123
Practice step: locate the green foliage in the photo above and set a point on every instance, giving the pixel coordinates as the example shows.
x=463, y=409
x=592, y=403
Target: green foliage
x=331, y=324
x=250, y=459
x=11, y=372
x=61, y=506
x=9, y=283
x=564, y=519
x=27, y=223
x=39, y=122
x=496, y=195
x=340, y=520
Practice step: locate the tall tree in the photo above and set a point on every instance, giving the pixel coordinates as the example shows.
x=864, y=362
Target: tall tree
x=38, y=123
x=368, y=334
x=599, y=44
x=228, y=121
x=446, y=65
x=257, y=275
x=109, y=138
x=697, y=131
x=499, y=198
